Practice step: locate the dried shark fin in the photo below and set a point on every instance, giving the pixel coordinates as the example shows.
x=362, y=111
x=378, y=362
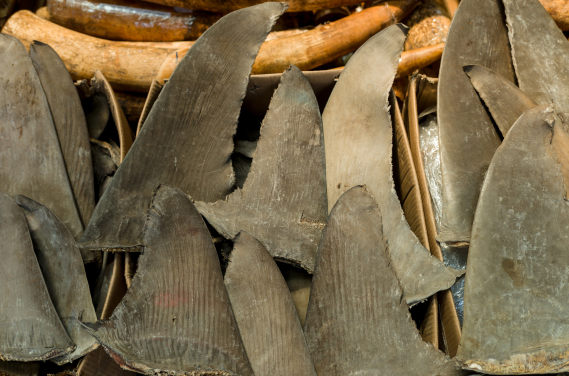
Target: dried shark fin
x=31, y=162
x=264, y=311
x=505, y=100
x=540, y=52
x=62, y=269
x=357, y=321
x=97, y=113
x=70, y=124
x=155, y=90
x=358, y=137
x=467, y=136
x=283, y=200
x=30, y=329
x=177, y=295
x=298, y=281
x=199, y=106
x=515, y=302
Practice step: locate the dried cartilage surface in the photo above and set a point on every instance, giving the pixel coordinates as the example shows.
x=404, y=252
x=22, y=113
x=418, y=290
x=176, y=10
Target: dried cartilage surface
x=540, y=52
x=283, y=200
x=357, y=322
x=265, y=312
x=97, y=113
x=31, y=162
x=178, y=297
x=467, y=136
x=187, y=139
x=505, y=101
x=29, y=326
x=64, y=274
x=298, y=281
x=358, y=139
x=70, y=124
x=515, y=300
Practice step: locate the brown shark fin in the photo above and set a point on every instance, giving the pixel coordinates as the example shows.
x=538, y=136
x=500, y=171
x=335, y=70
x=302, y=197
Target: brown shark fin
x=283, y=200
x=358, y=139
x=30, y=329
x=477, y=35
x=199, y=106
x=515, y=305
x=31, y=161
x=70, y=124
x=264, y=311
x=62, y=269
x=357, y=321
x=506, y=101
x=176, y=316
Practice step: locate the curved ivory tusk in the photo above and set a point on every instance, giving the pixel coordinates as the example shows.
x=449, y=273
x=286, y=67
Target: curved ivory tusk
x=129, y=23
x=133, y=65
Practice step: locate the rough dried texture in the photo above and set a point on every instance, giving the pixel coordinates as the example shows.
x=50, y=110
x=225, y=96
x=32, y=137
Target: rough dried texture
x=31, y=162
x=125, y=22
x=505, y=100
x=264, y=311
x=283, y=200
x=540, y=52
x=467, y=136
x=428, y=26
x=19, y=368
x=187, y=139
x=421, y=97
x=177, y=296
x=101, y=85
x=62, y=269
x=357, y=322
x=358, y=136
x=559, y=12
x=70, y=125
x=155, y=90
x=515, y=300
x=29, y=326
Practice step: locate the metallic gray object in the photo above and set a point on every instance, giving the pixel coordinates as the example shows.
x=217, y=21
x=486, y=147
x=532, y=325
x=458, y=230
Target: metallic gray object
x=468, y=140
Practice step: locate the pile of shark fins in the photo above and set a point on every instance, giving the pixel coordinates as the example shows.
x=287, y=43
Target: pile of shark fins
x=513, y=212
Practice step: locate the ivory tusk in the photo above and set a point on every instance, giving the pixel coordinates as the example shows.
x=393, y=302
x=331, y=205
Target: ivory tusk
x=133, y=65
x=123, y=21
